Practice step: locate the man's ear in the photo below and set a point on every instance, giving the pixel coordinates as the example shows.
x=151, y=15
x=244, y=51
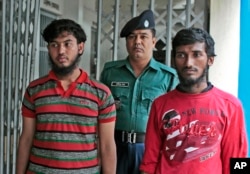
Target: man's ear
x=210, y=61
x=81, y=47
x=154, y=41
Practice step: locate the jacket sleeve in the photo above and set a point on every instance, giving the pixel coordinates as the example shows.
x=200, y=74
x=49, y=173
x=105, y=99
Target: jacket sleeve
x=153, y=142
x=234, y=141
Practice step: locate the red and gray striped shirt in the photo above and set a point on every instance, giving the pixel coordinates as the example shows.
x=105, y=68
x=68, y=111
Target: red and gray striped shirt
x=65, y=140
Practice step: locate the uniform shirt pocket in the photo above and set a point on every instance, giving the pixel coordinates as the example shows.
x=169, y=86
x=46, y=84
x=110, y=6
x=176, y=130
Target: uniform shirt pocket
x=147, y=99
x=121, y=97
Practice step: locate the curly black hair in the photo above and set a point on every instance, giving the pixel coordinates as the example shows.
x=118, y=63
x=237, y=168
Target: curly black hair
x=57, y=27
x=192, y=35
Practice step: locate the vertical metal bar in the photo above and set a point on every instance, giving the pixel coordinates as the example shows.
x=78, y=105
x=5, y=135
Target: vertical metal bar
x=26, y=50
x=16, y=94
x=116, y=27
x=152, y=5
x=169, y=32
x=188, y=13
x=26, y=60
x=36, y=29
x=2, y=82
x=134, y=8
x=98, y=45
x=9, y=91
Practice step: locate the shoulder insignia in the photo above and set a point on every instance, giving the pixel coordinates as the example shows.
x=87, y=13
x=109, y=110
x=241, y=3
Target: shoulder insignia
x=113, y=64
x=167, y=68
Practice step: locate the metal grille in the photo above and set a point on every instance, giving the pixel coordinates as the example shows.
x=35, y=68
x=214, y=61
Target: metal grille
x=19, y=31
x=45, y=19
x=18, y=28
x=170, y=17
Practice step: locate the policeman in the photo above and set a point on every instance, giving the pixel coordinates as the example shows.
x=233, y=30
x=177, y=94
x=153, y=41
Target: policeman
x=135, y=82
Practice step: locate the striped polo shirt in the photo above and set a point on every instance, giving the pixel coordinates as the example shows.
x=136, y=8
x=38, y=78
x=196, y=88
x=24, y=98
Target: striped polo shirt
x=65, y=140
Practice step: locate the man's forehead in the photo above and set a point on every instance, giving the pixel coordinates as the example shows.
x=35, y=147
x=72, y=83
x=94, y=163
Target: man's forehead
x=64, y=36
x=193, y=46
x=143, y=31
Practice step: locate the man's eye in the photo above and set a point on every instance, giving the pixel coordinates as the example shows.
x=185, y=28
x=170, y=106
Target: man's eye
x=54, y=45
x=67, y=44
x=197, y=54
x=180, y=55
x=131, y=37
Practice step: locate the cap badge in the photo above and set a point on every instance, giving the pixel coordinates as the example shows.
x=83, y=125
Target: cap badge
x=146, y=23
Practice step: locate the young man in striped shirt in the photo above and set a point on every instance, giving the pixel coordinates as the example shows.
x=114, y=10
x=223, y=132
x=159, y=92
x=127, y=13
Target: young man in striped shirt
x=64, y=111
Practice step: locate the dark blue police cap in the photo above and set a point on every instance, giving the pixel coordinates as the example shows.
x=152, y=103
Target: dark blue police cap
x=144, y=21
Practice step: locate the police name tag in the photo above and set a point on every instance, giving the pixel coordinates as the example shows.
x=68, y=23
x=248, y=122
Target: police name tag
x=120, y=84
x=239, y=165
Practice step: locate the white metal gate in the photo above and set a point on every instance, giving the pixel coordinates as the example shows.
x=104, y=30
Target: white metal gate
x=19, y=31
x=170, y=17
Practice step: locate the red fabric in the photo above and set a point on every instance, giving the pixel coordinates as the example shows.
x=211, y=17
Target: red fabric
x=194, y=133
x=67, y=123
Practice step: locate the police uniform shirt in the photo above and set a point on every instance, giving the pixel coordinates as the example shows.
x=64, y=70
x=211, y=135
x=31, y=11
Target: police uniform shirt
x=134, y=95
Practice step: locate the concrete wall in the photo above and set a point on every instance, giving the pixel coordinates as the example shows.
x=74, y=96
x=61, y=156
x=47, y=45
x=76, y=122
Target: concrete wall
x=229, y=25
x=224, y=27
x=75, y=9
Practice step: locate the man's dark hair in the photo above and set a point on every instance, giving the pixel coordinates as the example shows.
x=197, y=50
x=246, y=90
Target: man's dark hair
x=153, y=32
x=57, y=27
x=192, y=35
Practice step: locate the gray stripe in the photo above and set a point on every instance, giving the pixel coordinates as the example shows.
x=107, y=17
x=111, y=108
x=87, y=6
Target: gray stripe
x=67, y=137
x=41, y=169
x=67, y=156
x=66, y=118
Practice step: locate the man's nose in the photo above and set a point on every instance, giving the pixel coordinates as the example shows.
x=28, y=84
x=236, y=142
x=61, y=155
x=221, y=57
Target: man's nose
x=189, y=60
x=61, y=48
x=137, y=39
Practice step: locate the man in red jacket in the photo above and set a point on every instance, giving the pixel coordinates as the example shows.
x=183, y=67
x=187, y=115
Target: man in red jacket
x=197, y=127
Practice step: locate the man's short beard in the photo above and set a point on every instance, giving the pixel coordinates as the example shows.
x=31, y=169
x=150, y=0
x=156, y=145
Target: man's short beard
x=62, y=71
x=190, y=82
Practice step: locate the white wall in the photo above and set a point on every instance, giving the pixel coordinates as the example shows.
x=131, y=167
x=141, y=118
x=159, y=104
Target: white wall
x=75, y=9
x=224, y=28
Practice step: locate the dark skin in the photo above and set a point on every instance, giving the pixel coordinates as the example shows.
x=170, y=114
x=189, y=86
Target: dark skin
x=140, y=45
x=191, y=63
x=64, y=51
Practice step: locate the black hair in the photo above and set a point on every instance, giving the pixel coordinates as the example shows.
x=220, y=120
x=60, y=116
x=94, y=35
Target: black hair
x=153, y=32
x=192, y=35
x=57, y=27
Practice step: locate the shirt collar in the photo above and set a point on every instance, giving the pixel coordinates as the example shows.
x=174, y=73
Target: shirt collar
x=152, y=64
x=208, y=88
x=80, y=79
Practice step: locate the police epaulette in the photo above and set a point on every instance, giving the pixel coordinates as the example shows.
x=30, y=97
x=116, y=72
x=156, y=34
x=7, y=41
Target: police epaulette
x=113, y=63
x=169, y=69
